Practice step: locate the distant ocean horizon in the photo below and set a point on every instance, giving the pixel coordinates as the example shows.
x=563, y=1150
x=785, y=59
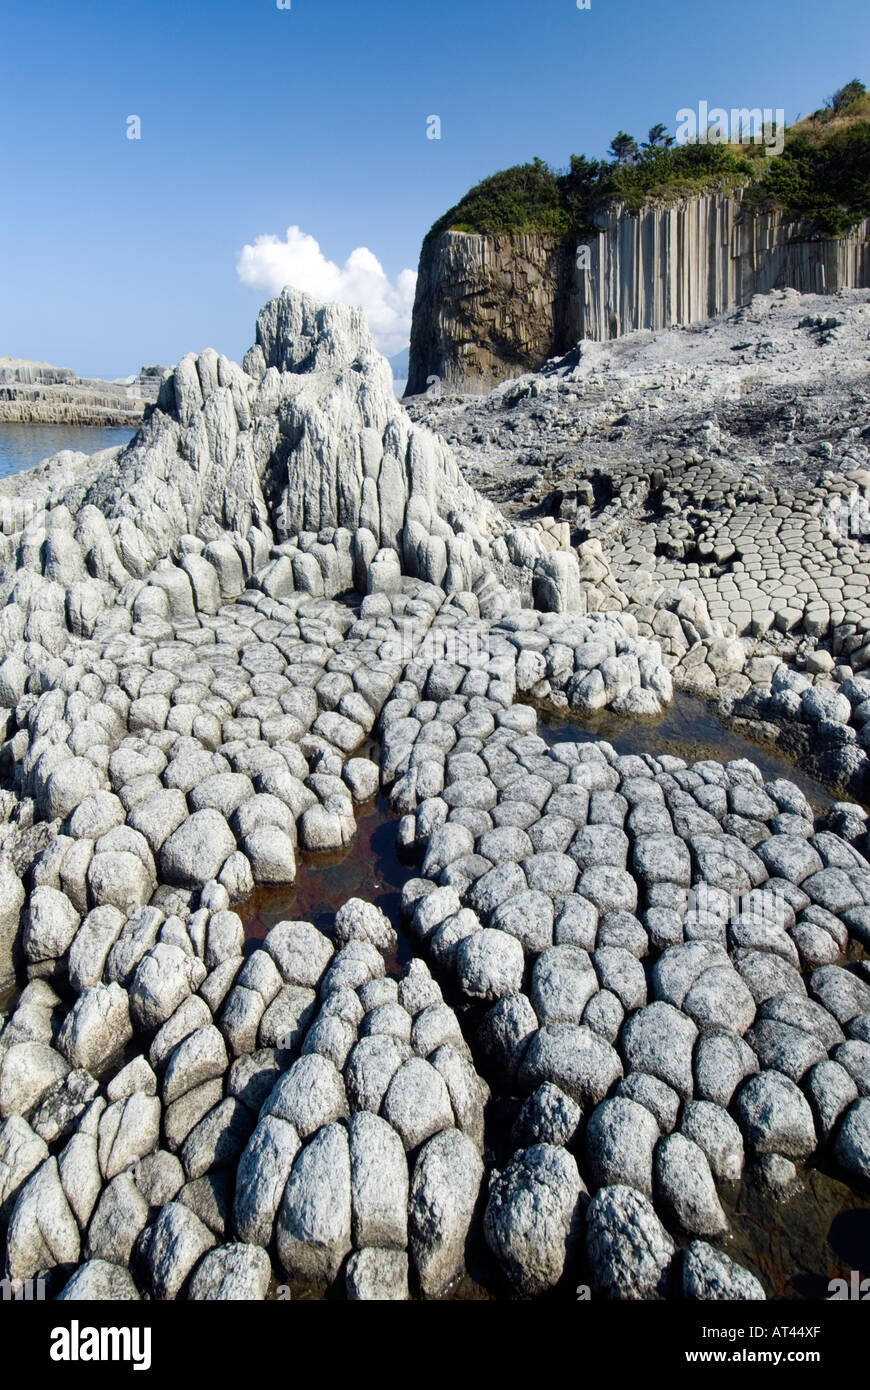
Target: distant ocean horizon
x=21, y=446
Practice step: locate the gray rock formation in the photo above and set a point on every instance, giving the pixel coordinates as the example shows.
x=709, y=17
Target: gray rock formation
x=649, y=957
x=37, y=393
x=489, y=308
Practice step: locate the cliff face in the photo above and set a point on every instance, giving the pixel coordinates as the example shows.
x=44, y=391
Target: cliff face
x=487, y=308
x=38, y=393
x=490, y=308
x=682, y=264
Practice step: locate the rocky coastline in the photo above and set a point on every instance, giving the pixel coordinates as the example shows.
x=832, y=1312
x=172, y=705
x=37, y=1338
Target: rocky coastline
x=632, y=980
x=35, y=393
x=492, y=307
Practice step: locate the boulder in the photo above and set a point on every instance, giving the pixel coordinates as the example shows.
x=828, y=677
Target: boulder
x=628, y=1250
x=443, y=1197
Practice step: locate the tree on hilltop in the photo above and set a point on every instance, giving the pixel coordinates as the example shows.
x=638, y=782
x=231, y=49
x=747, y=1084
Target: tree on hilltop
x=624, y=148
x=657, y=139
x=846, y=96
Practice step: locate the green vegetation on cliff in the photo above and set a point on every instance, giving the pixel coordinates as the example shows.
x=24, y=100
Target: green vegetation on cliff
x=822, y=177
x=526, y=198
x=823, y=174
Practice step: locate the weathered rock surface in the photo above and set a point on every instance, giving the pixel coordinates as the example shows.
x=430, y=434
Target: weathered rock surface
x=651, y=961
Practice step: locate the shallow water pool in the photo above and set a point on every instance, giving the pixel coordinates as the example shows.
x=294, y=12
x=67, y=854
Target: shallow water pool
x=21, y=446
x=820, y=1229
x=689, y=728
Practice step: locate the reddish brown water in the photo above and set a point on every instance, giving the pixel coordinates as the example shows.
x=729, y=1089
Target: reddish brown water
x=818, y=1232
x=369, y=868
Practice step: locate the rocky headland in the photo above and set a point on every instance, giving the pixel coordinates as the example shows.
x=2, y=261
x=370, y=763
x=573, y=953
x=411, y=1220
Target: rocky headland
x=531, y=260
x=627, y=982
x=35, y=393
x=491, y=307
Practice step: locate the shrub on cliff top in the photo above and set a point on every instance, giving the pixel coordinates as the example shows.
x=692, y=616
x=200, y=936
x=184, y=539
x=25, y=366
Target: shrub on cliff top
x=822, y=177
x=534, y=198
x=824, y=183
x=849, y=98
x=525, y=198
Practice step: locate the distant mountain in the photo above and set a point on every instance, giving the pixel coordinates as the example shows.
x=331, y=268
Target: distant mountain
x=399, y=364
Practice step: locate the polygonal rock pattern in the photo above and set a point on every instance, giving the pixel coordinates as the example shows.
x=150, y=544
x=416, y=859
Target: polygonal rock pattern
x=723, y=1018
x=651, y=958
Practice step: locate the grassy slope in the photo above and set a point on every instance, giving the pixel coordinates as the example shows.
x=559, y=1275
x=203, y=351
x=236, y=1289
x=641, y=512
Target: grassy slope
x=822, y=176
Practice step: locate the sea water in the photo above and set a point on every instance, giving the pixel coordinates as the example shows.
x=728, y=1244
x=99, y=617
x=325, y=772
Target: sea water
x=21, y=446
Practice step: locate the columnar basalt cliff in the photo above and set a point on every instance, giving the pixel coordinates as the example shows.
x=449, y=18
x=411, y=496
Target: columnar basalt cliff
x=681, y=264
x=491, y=308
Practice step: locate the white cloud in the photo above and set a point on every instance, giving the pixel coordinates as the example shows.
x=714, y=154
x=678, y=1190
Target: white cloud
x=270, y=264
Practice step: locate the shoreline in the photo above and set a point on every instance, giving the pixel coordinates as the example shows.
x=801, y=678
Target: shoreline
x=616, y=976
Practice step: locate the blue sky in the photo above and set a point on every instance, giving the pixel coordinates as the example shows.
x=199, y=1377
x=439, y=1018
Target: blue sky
x=116, y=252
